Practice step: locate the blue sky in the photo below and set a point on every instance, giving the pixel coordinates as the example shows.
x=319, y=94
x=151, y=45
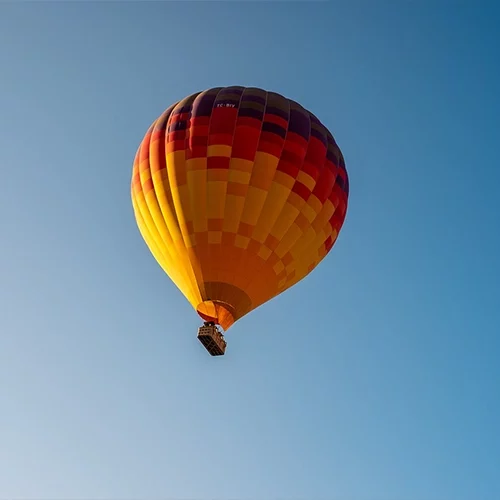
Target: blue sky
x=376, y=378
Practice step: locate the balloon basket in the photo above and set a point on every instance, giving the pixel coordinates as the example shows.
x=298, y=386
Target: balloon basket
x=212, y=339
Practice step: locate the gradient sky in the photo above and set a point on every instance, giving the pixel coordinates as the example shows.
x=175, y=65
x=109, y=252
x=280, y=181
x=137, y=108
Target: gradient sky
x=376, y=378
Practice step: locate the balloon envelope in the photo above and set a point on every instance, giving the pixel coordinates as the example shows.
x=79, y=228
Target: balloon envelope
x=239, y=194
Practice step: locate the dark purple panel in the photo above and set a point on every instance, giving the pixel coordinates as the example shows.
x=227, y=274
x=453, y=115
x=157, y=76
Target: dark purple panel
x=278, y=112
x=253, y=98
x=320, y=135
x=180, y=125
x=274, y=128
x=204, y=104
x=299, y=124
x=251, y=112
x=229, y=96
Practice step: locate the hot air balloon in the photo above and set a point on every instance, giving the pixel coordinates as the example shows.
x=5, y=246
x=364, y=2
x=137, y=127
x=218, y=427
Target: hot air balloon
x=239, y=193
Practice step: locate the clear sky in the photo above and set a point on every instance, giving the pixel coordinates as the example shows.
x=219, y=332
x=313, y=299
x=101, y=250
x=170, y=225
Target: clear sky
x=376, y=378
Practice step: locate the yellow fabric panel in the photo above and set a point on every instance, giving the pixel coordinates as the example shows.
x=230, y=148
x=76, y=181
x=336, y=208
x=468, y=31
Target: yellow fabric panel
x=163, y=194
x=176, y=168
x=324, y=216
x=253, y=204
x=198, y=189
x=239, y=177
x=232, y=213
x=295, y=200
x=306, y=241
x=263, y=171
x=144, y=172
x=184, y=196
x=166, y=207
x=179, y=211
x=278, y=267
x=306, y=179
x=162, y=251
x=312, y=259
x=196, y=164
x=309, y=212
x=163, y=241
x=241, y=241
x=216, y=192
x=264, y=252
x=165, y=261
x=308, y=255
x=315, y=204
x=305, y=250
x=271, y=210
x=288, y=240
x=240, y=165
x=172, y=199
x=219, y=150
x=300, y=234
x=284, y=179
x=285, y=220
